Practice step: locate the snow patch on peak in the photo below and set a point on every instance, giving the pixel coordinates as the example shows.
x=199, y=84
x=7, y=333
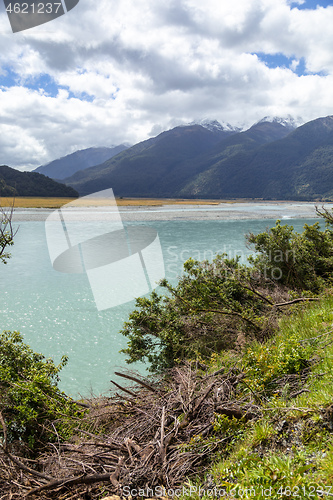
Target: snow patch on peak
x=286, y=121
x=215, y=126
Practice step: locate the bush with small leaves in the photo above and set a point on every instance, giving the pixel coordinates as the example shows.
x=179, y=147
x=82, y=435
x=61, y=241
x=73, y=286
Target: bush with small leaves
x=210, y=308
x=220, y=305
x=33, y=407
x=301, y=261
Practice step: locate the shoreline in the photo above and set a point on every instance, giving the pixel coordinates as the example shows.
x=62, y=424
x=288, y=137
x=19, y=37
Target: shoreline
x=34, y=202
x=219, y=211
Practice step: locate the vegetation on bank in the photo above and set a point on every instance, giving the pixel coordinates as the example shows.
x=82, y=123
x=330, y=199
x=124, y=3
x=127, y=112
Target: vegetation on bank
x=223, y=304
x=52, y=202
x=240, y=404
x=286, y=450
x=30, y=400
x=35, y=201
x=7, y=233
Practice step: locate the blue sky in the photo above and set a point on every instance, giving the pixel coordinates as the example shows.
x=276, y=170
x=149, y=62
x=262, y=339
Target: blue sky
x=42, y=83
x=113, y=72
x=311, y=4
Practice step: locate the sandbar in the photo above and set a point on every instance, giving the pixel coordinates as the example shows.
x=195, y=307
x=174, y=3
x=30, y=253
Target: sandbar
x=283, y=210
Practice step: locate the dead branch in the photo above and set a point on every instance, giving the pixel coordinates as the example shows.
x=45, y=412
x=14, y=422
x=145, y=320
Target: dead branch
x=228, y=313
x=25, y=468
x=137, y=380
x=162, y=448
x=114, y=477
x=4, y=429
x=14, y=459
x=253, y=290
x=202, y=398
x=151, y=442
x=123, y=388
x=325, y=214
x=70, y=481
x=7, y=231
x=301, y=299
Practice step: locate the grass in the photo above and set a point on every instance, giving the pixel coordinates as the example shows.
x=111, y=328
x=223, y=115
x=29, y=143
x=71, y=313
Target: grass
x=40, y=202
x=34, y=202
x=288, y=451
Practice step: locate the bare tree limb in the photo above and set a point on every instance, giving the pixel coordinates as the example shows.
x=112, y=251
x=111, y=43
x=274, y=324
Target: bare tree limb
x=301, y=299
x=4, y=429
x=325, y=214
x=123, y=388
x=7, y=231
x=135, y=379
x=15, y=460
x=162, y=447
x=70, y=481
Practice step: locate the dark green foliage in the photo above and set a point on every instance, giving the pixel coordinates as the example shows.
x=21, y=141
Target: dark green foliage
x=222, y=305
x=6, y=190
x=211, y=309
x=15, y=183
x=30, y=401
x=300, y=261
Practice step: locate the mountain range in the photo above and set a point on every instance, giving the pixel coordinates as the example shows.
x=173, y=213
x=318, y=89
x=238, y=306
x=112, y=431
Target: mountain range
x=273, y=159
x=79, y=160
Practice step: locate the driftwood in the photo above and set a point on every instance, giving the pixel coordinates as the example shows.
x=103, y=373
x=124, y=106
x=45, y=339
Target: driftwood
x=157, y=438
x=146, y=440
x=70, y=481
x=137, y=380
x=295, y=301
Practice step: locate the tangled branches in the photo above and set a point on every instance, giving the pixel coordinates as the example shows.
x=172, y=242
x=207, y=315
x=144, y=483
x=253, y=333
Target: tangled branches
x=7, y=232
x=151, y=435
x=155, y=435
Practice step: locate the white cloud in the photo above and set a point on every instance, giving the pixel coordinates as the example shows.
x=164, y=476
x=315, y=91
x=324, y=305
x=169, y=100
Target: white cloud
x=125, y=70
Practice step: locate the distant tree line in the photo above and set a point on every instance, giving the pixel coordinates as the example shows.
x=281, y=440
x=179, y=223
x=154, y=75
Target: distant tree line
x=15, y=183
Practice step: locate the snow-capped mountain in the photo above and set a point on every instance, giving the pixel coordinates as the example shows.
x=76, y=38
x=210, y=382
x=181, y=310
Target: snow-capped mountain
x=271, y=160
x=287, y=121
x=215, y=126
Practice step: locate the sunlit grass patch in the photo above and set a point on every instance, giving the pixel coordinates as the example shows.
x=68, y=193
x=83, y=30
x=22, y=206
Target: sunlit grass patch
x=288, y=451
x=34, y=202
x=52, y=202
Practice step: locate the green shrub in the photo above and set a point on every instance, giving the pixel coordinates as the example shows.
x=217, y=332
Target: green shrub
x=209, y=310
x=264, y=363
x=221, y=305
x=33, y=407
x=300, y=261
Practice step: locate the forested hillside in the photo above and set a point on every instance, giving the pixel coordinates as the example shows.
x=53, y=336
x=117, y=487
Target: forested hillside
x=16, y=183
x=269, y=161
